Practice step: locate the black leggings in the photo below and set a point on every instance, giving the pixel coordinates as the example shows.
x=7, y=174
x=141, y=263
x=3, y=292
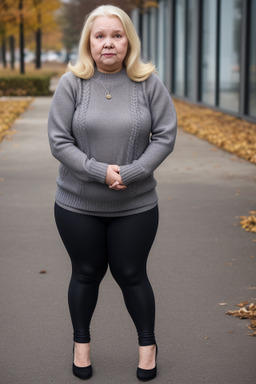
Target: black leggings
x=123, y=243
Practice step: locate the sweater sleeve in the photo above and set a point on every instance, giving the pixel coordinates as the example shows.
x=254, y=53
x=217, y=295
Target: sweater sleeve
x=163, y=133
x=62, y=143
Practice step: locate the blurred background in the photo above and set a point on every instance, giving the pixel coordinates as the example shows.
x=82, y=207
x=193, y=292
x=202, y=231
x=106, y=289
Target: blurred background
x=43, y=31
x=204, y=50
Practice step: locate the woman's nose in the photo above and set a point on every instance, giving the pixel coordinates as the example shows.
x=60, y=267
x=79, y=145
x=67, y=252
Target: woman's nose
x=108, y=44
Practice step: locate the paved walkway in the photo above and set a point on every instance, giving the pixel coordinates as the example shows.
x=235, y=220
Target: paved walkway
x=201, y=257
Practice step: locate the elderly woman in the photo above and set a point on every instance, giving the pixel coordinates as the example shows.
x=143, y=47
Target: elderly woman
x=111, y=124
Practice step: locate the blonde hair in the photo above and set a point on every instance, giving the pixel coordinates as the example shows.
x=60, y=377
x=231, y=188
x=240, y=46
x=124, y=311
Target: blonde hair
x=136, y=69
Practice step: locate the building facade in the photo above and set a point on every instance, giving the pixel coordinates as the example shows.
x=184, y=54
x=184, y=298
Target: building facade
x=204, y=50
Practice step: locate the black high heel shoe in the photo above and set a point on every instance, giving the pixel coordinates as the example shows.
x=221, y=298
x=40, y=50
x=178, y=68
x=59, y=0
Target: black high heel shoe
x=84, y=373
x=147, y=374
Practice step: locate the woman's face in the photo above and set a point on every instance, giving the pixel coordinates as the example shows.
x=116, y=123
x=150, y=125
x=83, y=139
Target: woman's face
x=108, y=43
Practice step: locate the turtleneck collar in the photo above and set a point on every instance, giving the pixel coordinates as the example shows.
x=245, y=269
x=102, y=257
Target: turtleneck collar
x=117, y=77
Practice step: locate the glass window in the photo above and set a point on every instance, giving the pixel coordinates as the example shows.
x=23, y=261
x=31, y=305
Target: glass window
x=162, y=40
x=153, y=34
x=209, y=34
x=145, y=36
x=179, y=56
x=252, y=72
x=191, y=49
x=230, y=54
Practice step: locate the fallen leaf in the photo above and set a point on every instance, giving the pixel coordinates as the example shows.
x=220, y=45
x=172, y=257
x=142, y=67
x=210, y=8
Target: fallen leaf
x=242, y=304
x=248, y=312
x=252, y=326
x=43, y=271
x=229, y=133
x=9, y=111
x=248, y=223
x=222, y=303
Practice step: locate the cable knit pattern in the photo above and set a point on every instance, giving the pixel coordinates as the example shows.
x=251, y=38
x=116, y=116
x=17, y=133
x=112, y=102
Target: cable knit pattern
x=85, y=96
x=136, y=123
x=132, y=151
x=135, y=129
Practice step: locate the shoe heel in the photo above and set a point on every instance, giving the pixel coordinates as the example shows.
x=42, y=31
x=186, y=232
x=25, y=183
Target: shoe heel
x=83, y=373
x=147, y=374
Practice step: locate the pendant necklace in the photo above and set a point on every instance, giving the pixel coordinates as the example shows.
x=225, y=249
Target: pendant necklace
x=108, y=94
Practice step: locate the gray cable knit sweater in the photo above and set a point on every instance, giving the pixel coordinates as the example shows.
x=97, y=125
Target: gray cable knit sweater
x=135, y=129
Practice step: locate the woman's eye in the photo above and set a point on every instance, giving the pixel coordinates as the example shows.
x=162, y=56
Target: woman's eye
x=99, y=37
x=118, y=36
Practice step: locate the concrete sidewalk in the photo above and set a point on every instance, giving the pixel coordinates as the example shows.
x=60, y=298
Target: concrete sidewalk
x=201, y=257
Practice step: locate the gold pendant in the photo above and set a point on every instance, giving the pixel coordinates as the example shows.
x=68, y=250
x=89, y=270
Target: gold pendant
x=108, y=96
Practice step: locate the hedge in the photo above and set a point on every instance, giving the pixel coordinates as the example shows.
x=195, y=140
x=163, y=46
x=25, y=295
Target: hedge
x=24, y=85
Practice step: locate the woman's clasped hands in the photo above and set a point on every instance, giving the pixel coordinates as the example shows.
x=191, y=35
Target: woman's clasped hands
x=113, y=178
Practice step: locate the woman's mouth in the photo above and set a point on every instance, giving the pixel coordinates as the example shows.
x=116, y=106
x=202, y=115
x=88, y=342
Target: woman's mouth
x=108, y=54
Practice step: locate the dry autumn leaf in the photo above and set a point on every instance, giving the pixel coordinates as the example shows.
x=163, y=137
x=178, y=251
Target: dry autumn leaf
x=249, y=222
x=253, y=324
x=246, y=312
x=9, y=111
x=242, y=304
x=230, y=133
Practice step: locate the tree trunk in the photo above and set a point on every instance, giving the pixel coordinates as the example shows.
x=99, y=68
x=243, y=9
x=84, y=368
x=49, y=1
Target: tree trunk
x=4, y=51
x=21, y=30
x=38, y=47
x=12, y=51
x=37, y=5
